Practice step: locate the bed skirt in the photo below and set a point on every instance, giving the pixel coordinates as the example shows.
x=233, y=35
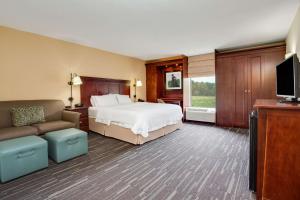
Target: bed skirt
x=126, y=134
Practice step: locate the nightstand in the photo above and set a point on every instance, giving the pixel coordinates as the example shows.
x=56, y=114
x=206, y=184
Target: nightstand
x=84, y=118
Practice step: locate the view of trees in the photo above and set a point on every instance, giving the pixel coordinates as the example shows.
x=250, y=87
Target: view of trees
x=203, y=88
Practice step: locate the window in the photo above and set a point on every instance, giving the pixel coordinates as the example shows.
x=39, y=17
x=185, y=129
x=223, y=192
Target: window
x=203, y=92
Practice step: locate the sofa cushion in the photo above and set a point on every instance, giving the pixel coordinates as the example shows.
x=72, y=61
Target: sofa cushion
x=27, y=115
x=14, y=132
x=53, y=126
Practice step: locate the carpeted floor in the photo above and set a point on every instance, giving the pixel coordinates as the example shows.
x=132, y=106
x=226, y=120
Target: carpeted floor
x=196, y=162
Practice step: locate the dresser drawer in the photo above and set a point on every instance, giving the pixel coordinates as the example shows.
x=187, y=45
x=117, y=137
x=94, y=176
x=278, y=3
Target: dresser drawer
x=84, y=121
x=83, y=112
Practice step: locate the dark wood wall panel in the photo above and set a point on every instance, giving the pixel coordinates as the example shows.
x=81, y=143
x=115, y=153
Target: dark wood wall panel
x=151, y=83
x=269, y=73
x=101, y=86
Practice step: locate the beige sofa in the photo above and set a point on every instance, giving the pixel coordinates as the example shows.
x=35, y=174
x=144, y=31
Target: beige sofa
x=55, y=115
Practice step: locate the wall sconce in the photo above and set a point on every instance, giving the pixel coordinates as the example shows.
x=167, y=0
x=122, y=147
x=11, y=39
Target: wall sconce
x=137, y=83
x=75, y=80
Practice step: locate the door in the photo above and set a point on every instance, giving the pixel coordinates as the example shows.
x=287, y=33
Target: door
x=241, y=91
x=254, y=80
x=225, y=87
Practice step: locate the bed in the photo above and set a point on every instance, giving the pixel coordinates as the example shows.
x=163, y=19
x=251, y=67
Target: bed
x=135, y=123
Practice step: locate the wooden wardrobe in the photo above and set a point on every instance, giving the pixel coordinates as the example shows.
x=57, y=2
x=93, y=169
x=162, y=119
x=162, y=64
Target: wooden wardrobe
x=241, y=78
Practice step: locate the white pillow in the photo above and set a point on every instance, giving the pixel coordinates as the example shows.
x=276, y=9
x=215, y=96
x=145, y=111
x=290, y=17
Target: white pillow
x=123, y=99
x=104, y=100
x=93, y=101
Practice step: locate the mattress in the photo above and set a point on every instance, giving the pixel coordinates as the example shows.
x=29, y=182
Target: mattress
x=93, y=112
x=141, y=118
x=127, y=135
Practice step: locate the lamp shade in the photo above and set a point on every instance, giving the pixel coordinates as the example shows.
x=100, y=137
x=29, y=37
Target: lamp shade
x=139, y=83
x=76, y=80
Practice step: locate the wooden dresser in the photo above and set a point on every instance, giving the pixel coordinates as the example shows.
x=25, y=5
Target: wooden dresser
x=278, y=150
x=84, y=119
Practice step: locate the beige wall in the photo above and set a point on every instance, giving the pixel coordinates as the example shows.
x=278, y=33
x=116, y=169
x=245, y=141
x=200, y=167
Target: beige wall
x=293, y=39
x=38, y=67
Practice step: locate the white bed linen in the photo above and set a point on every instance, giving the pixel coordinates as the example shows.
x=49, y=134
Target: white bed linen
x=93, y=112
x=140, y=117
x=104, y=100
x=123, y=99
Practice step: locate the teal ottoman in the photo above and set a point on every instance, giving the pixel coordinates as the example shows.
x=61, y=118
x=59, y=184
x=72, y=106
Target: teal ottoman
x=66, y=144
x=21, y=156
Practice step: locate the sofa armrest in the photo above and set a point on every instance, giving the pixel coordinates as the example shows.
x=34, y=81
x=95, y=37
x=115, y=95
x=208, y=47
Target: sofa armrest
x=71, y=117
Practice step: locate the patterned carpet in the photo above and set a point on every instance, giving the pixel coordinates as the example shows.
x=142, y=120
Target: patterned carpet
x=196, y=162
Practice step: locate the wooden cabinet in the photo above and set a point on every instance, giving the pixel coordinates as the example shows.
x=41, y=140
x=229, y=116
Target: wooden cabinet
x=278, y=150
x=241, y=78
x=84, y=119
x=155, y=79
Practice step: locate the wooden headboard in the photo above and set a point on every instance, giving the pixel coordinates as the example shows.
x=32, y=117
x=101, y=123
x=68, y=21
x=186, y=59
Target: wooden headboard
x=101, y=86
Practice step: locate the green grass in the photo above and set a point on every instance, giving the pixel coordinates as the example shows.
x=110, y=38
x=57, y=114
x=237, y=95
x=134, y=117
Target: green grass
x=204, y=101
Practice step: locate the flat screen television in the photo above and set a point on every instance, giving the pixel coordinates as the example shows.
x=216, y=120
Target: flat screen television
x=287, y=78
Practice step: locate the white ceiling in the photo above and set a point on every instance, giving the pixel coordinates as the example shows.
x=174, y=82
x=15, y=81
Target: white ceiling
x=150, y=29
